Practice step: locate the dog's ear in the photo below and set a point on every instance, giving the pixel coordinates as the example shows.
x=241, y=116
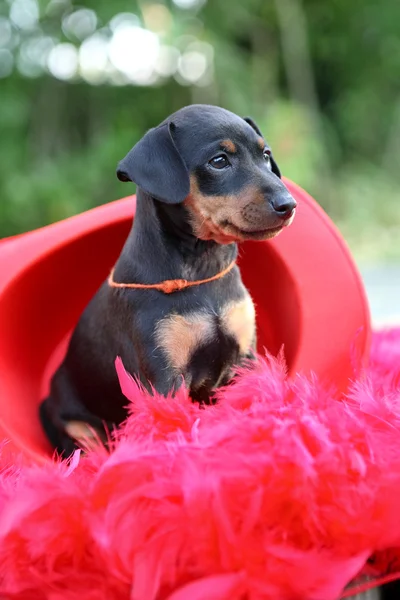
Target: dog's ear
x=274, y=166
x=156, y=166
x=253, y=125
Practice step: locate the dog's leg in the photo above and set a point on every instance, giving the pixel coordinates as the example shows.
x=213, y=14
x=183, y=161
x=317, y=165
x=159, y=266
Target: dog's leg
x=54, y=432
x=66, y=421
x=167, y=386
x=66, y=436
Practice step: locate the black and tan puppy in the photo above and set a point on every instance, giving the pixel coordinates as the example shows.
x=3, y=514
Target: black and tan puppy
x=206, y=179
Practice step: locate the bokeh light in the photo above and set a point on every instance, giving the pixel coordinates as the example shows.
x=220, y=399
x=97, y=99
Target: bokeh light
x=93, y=59
x=33, y=54
x=188, y=4
x=167, y=61
x=24, y=13
x=63, y=61
x=192, y=65
x=128, y=50
x=124, y=19
x=134, y=51
x=195, y=61
x=5, y=32
x=79, y=24
x=157, y=18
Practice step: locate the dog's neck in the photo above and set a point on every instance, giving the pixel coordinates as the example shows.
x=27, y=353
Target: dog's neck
x=162, y=245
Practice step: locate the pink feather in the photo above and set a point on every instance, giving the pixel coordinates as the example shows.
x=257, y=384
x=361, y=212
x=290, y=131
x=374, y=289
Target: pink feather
x=283, y=490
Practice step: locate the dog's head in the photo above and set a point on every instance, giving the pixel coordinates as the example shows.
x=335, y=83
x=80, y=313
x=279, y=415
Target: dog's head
x=219, y=167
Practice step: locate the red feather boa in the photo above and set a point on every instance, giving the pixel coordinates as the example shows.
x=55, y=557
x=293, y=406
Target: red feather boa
x=282, y=490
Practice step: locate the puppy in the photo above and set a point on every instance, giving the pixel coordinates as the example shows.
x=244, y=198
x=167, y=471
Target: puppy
x=174, y=308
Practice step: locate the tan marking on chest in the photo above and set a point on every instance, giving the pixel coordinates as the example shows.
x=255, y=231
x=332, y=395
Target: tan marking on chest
x=239, y=320
x=179, y=336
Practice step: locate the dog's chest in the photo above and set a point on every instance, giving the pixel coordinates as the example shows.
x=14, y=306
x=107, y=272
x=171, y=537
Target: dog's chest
x=205, y=343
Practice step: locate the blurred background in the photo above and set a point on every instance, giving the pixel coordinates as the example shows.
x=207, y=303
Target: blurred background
x=80, y=82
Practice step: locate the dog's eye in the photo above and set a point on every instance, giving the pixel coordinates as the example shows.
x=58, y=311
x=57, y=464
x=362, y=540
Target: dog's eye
x=267, y=155
x=219, y=162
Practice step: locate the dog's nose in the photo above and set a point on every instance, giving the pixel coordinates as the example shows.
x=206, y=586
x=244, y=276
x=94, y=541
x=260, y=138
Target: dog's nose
x=284, y=206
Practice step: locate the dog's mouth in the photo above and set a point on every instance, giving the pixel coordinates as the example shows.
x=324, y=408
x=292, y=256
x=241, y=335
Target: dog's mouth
x=226, y=232
x=237, y=234
x=260, y=234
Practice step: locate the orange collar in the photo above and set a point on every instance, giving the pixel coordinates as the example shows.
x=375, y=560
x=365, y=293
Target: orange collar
x=169, y=285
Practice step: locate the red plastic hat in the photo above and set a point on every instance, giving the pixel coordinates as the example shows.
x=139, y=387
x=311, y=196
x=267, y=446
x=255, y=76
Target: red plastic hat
x=308, y=294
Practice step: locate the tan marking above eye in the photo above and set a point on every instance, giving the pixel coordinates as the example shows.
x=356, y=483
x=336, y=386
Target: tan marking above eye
x=179, y=336
x=239, y=320
x=261, y=143
x=229, y=146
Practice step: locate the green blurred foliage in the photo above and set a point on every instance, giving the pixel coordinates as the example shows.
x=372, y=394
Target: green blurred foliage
x=322, y=79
